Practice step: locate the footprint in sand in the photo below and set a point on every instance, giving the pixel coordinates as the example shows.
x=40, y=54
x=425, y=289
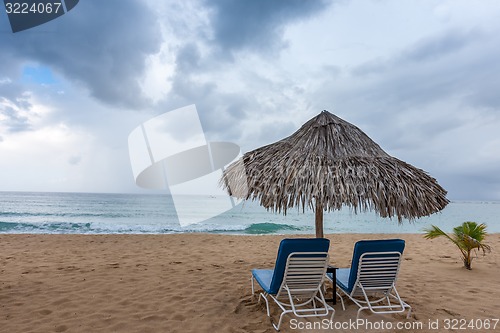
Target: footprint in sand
x=61, y=301
x=179, y=317
x=61, y=328
x=45, y=312
x=452, y=313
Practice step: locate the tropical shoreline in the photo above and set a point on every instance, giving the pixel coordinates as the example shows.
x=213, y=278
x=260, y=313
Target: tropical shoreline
x=94, y=213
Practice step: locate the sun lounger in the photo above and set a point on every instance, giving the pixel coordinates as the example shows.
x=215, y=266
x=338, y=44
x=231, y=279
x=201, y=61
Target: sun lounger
x=370, y=282
x=296, y=280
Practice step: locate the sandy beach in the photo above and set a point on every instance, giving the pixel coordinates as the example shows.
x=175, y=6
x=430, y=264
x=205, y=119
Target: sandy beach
x=201, y=283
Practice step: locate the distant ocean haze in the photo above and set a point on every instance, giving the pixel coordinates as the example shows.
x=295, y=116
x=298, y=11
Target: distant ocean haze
x=96, y=213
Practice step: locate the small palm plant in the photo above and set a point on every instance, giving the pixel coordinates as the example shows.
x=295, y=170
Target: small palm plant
x=467, y=237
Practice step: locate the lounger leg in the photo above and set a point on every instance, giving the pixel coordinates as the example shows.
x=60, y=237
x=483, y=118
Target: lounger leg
x=341, y=298
x=333, y=314
x=342, y=301
x=403, y=304
x=359, y=312
x=314, y=305
x=267, y=303
x=277, y=327
x=253, y=290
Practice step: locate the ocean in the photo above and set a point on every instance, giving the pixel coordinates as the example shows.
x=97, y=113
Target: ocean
x=97, y=213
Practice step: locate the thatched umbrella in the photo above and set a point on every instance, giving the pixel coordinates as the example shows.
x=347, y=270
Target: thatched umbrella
x=327, y=164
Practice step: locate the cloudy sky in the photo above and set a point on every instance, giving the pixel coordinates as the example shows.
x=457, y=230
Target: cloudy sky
x=420, y=77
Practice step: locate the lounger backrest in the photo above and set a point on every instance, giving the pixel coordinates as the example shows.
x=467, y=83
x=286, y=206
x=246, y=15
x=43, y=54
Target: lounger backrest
x=377, y=272
x=287, y=246
x=364, y=246
x=304, y=274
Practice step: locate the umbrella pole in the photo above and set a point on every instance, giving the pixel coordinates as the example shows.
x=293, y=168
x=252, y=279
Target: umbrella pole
x=319, y=221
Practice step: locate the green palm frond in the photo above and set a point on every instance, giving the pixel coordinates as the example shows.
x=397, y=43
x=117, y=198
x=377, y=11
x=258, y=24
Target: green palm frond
x=434, y=232
x=470, y=242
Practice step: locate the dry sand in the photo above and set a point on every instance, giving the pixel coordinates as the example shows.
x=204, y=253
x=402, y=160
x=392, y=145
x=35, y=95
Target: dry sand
x=201, y=283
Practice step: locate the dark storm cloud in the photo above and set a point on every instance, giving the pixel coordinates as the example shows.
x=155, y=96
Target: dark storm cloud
x=257, y=24
x=421, y=103
x=428, y=49
x=252, y=26
x=442, y=45
x=436, y=68
x=219, y=110
x=188, y=58
x=101, y=45
x=483, y=79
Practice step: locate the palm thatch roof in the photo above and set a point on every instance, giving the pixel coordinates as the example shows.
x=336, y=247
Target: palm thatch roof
x=329, y=163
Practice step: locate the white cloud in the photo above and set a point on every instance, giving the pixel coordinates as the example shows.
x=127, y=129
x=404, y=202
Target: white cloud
x=35, y=159
x=158, y=73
